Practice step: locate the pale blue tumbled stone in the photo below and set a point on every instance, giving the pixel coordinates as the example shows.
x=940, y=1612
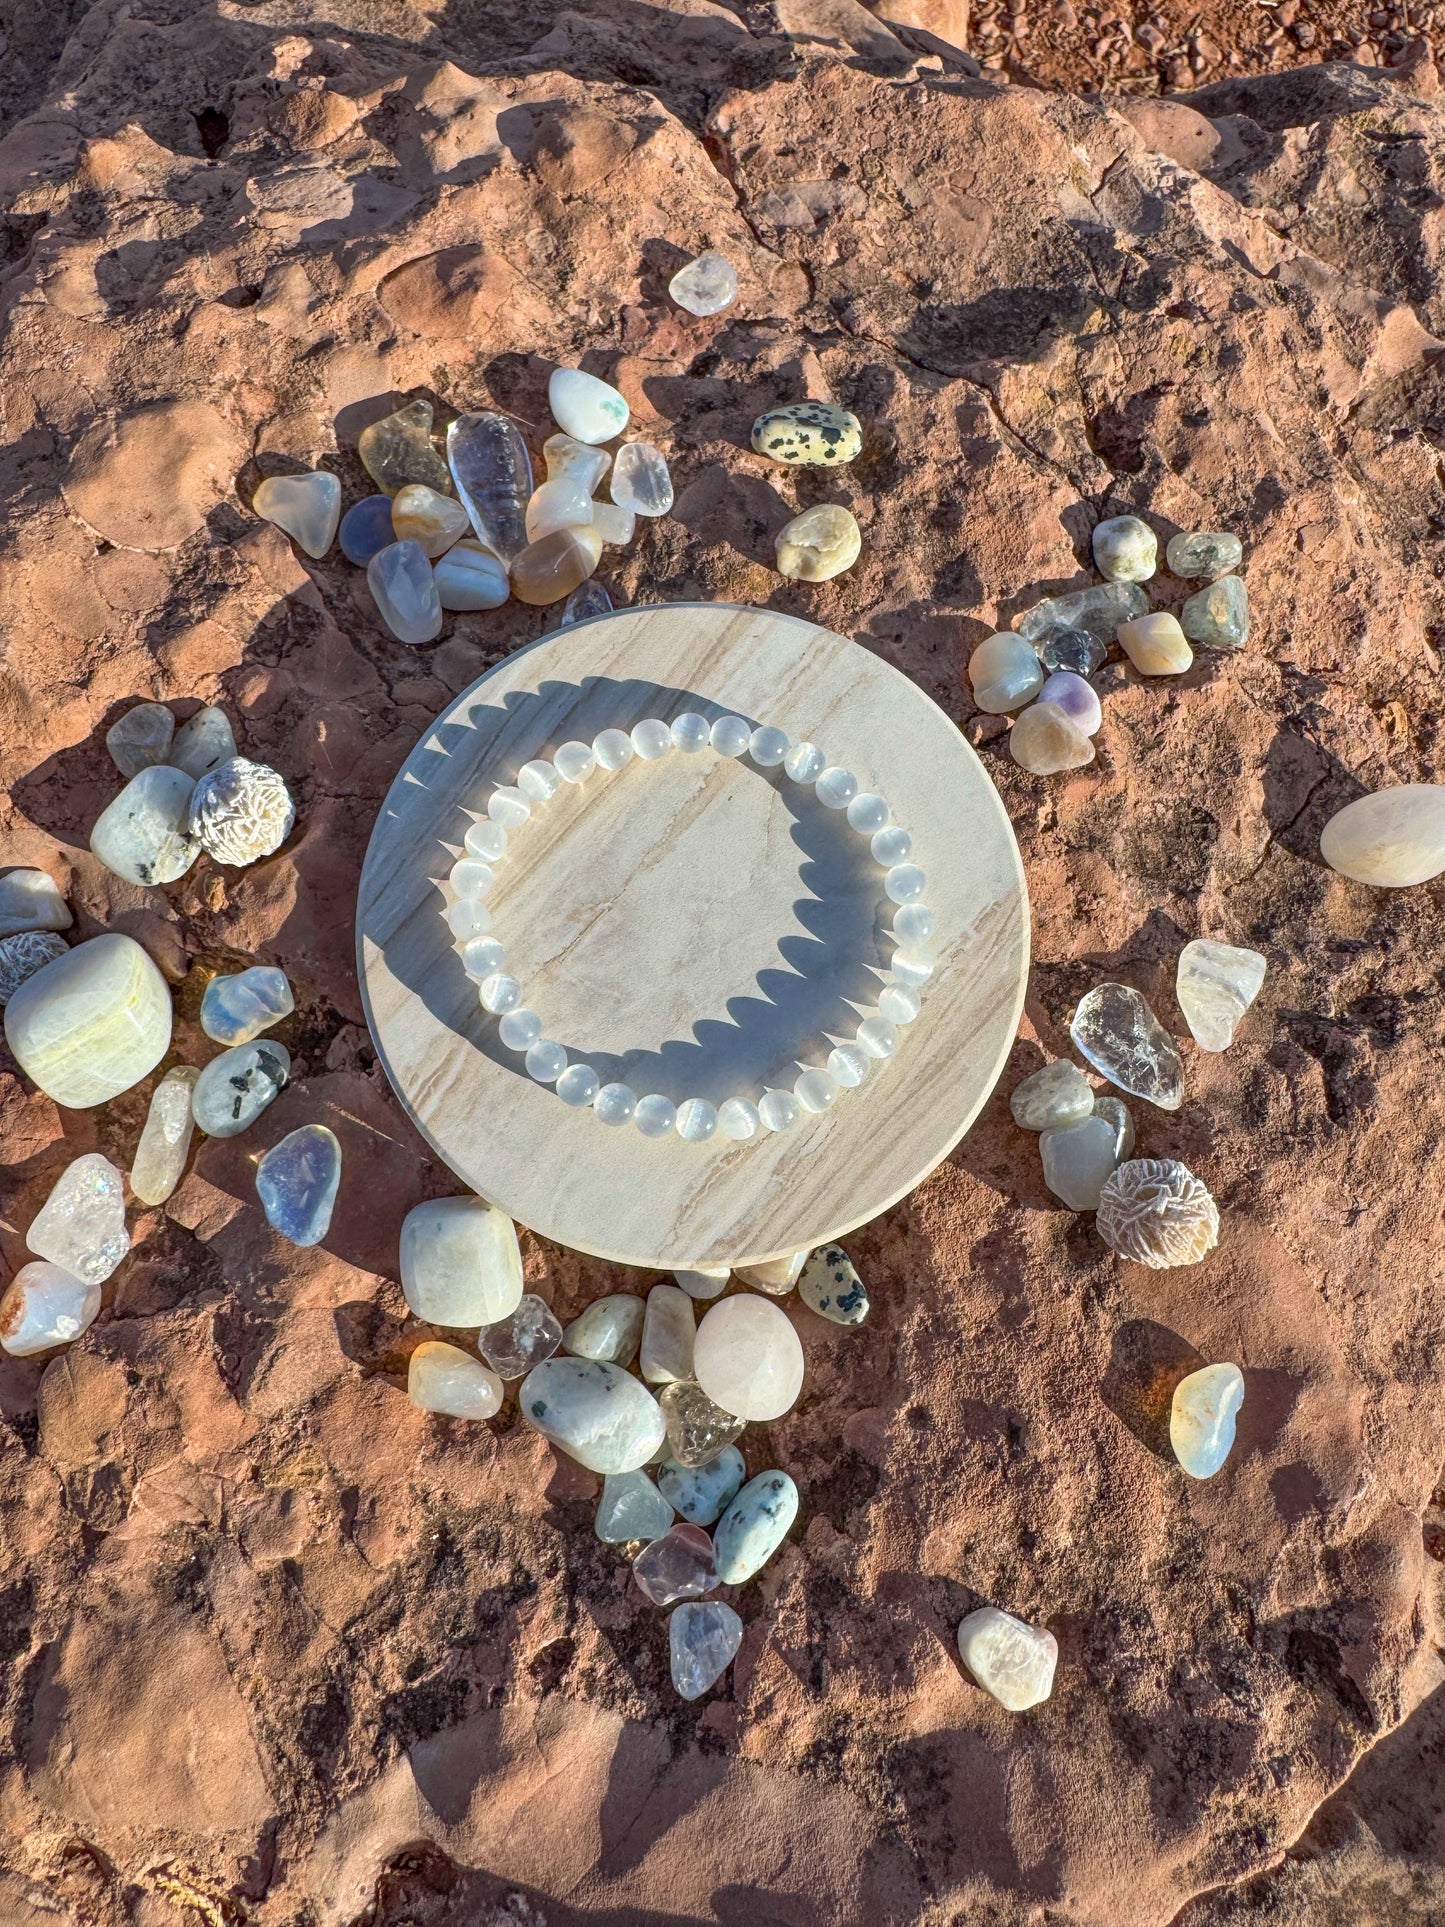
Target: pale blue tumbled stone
x=631, y=1507
x=700, y=1493
x=1201, y=1419
x=702, y=1638
x=366, y=529
x=754, y=1526
x=297, y=1181
x=405, y=591
x=236, y=1009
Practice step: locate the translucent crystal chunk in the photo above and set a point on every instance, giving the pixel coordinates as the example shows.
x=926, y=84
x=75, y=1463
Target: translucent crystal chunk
x=705, y=286
x=45, y=1306
x=144, y=835
x=609, y=1330
x=754, y=1526
x=1157, y=1213
x=1072, y=649
x=1058, y=1094
x=1116, y=1030
x=297, y=1181
x=518, y=1343
x=405, y=592
x=830, y=1286
x=703, y=1639
x=1009, y=1658
x=591, y=599
x=1078, y=1161
x=165, y=1142
x=81, y=1225
x=679, y=1565
x=640, y=480
x=461, y=1264
x=398, y=449
x=140, y=738
x=596, y=1413
x=702, y=1493
x=493, y=476
x=697, y=1429
x=1208, y=552
x=1201, y=1418
x=1097, y=611
x=748, y=1358
x=631, y=1507
x=1218, y=617
x=1126, y=549
x=1215, y=984
x=234, y=1088
x=1391, y=839
x=236, y=1009
x=306, y=507
x=443, y=1378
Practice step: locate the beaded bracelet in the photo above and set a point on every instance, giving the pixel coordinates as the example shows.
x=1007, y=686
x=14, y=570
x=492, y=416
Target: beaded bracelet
x=696, y=1118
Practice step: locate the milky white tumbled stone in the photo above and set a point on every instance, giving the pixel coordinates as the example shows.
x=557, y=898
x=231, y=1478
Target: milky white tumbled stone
x=461, y=1264
x=1201, y=1418
x=44, y=1306
x=421, y=514
x=748, y=1359
x=585, y=408
x=1392, y=839
x=470, y=577
x=668, y=1330
x=631, y=1507
x=1005, y=673
x=1046, y=740
x=241, y=811
x=160, y=1157
x=1059, y=1094
x=1155, y=644
x=234, y=1088
x=31, y=900
x=141, y=737
x=1214, y=985
x=563, y=504
x=236, y=1008
x=1117, y=1112
x=144, y=835
x=81, y=1225
x=1125, y=549
x=594, y=1412
x=569, y=460
x=818, y=544
x=613, y=749
x=307, y=507
x=404, y=590
x=91, y=1024
x=443, y=1378
x=1079, y=1160
x=1009, y=1658
x=610, y=1330
x=640, y=480
x=706, y=285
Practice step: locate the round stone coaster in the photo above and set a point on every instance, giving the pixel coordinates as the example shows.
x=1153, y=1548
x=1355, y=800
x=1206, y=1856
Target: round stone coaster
x=694, y=926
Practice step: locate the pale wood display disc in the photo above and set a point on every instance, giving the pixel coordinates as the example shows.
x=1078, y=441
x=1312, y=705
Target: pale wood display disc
x=693, y=926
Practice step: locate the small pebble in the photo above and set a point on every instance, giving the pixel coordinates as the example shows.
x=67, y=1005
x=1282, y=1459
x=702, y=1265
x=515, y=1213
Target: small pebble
x=443, y=1378
x=44, y=1306
x=1157, y=1213
x=830, y=1286
x=1116, y=1111
x=234, y=1009
x=668, y=1328
x=610, y=1330
x=585, y=408
x=1116, y=1030
x=1218, y=617
x=1068, y=691
x=1078, y=1160
x=1059, y=1094
x=562, y=504
x=1392, y=839
x=1201, y=1418
x=25, y=953
x=754, y=1526
x=679, y=1565
x=234, y=1088
x=461, y=1264
x=81, y=1225
x=1097, y=611
x=1009, y=1658
x=205, y=742
x=697, y=1430
x=702, y=1493
x=366, y=529
x=297, y=1181
x=572, y=461
x=1005, y=673
x=1155, y=644
x=816, y=434
x=596, y=1413
x=141, y=738
x=1125, y=549
x=590, y=600
x=398, y=450
x=524, y=1339
x=748, y=1358
x=306, y=507
x=423, y=515
x=492, y=472
x=705, y=286
x=404, y=590
x=640, y=480
x=1214, y=985
x=241, y=811
x=31, y=900
x=818, y=544
x=92, y=1023
x=631, y=1507
x=706, y=1281
x=470, y=577
x=165, y=1142
x=1045, y=741
x=703, y=1639
x=144, y=835
x=1073, y=649
x=777, y=1276
x=1209, y=552
x=548, y=570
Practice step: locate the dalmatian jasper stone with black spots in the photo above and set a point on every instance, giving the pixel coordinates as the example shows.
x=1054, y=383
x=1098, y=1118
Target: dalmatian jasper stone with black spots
x=831, y=1287
x=808, y=433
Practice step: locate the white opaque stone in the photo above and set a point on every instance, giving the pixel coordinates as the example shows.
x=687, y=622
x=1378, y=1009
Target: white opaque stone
x=81, y=1225
x=140, y=738
x=754, y=1526
x=848, y=1065
x=519, y=1029
x=779, y=1110
x=486, y=840
x=1009, y=1658
x=1201, y=1418
x=738, y=1119
x=631, y=1507
x=573, y=461
x=307, y=507
x=911, y=967
x=143, y=835
x=509, y=807
x=468, y=917
x=1078, y=699
x=469, y=878
x=651, y=738
x=703, y=1636
x=91, y=1024
x=891, y=846
x=914, y=924
x=777, y=1276
x=575, y=761
x=423, y=514
x=443, y=1378
x=691, y=732
x=165, y=1141
x=704, y=1281
x=594, y=1412
x=867, y=813
x=613, y=749
x=668, y=1329
x=899, y=1003
x=538, y=780
x=1079, y=1159
x=816, y=1091
x=878, y=1036
x=31, y=900
x=615, y=1103
x=203, y=744
x=558, y=505
x=461, y=1264
x=1057, y=1095
x=469, y=577
x=234, y=1088
x=905, y=883
x=640, y=480
x=481, y=956
x=500, y=993
x=578, y=1086
x=405, y=592
x=818, y=544
x=768, y=747
x=805, y=762
x=836, y=787
x=234, y=1009
x=1215, y=984
x=1045, y=741
x=1125, y=549
x=43, y=1306
x=1392, y=839
x=696, y=1119
x=748, y=1359
x=585, y=408
x=655, y=1115
x=706, y=285
x=731, y=736
x=545, y=1061
x=1005, y=673
x=610, y=1330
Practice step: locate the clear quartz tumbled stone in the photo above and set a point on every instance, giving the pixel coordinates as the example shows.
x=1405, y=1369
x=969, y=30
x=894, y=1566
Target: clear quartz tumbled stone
x=640, y=480
x=668, y=1328
x=706, y=285
x=81, y=1225
x=1096, y=611
x=748, y=1359
x=1116, y=1030
x=1075, y=650
x=1079, y=1160
x=140, y=738
x=703, y=1639
x=1009, y=1658
x=1214, y=985
x=588, y=599
x=679, y=1565
x=573, y=461
x=1201, y=1418
x=160, y=1157
x=697, y=1429
x=515, y=1344
x=655, y=1115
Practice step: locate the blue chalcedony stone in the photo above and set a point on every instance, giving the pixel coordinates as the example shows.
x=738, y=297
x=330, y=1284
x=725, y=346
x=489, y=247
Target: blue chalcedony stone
x=236, y=1009
x=297, y=1181
x=754, y=1526
x=366, y=529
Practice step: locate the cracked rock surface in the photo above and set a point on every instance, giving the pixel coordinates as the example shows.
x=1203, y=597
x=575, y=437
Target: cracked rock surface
x=274, y=1644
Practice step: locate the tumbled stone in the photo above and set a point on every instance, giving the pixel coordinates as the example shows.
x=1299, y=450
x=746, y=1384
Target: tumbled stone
x=404, y=590
x=144, y=835
x=1078, y=1161
x=1072, y=649
x=493, y=476
x=668, y=1328
x=1201, y=1418
x=1214, y=985
x=1097, y=611
x=297, y=1181
x=576, y=462
x=594, y=1412
x=754, y=1526
x=616, y=526
x=25, y=953
x=1155, y=644
x=1125, y=549
x=816, y=434
x=422, y=515
x=1116, y=1030
x=584, y=603
x=1059, y=1094
x=471, y=577
x=705, y=286
x=1218, y=617
x=1392, y=839
x=443, y=1378
x=679, y=1565
x=141, y=738
x=640, y=480
x=306, y=507
x=241, y=811
x=234, y=1088
x=1005, y=673
x=1157, y=1213
x=165, y=1141
x=558, y=505
x=1009, y=1658
x=548, y=570
x=91, y=1024
x=702, y=1493
x=1208, y=552
x=703, y=1639
x=697, y=1429
x=81, y=1225
x=524, y=1339
x=1116, y=1112
x=631, y=1507
x=704, y=1281
x=398, y=450
x=818, y=544
x=776, y=1276
x=610, y=1329
x=234, y=1009
x=44, y=1306
x=31, y=900
x=748, y=1358
x=1045, y=741
x=204, y=743
x=366, y=529
x=585, y=408
x=830, y=1286
x=1077, y=698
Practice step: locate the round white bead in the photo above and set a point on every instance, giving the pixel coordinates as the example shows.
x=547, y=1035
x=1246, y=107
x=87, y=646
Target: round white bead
x=575, y=762
x=578, y=1086
x=652, y=739
x=816, y=1091
x=778, y=1110
x=891, y=846
x=848, y=1065
x=867, y=812
x=546, y=1061
x=481, y=956
x=520, y=1029
x=898, y=1003
x=730, y=736
x=805, y=762
x=469, y=917
x=913, y=924
x=768, y=747
x=878, y=1037
x=738, y=1119
x=501, y=993
x=691, y=731
x=696, y=1119
x=612, y=749
x=538, y=780
x=470, y=878
x=655, y=1116
x=837, y=787
x=615, y=1103
x=905, y=883
x=911, y=967
x=486, y=840
x=509, y=808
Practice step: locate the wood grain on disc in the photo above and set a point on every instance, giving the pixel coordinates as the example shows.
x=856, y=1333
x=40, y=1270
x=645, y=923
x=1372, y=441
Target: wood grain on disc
x=693, y=926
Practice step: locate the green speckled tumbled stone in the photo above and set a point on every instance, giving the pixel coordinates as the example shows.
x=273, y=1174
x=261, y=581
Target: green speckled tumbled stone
x=832, y=1288
x=1218, y=617
x=808, y=433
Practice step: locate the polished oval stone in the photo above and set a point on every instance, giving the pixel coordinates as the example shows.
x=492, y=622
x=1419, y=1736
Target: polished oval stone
x=1045, y=741
x=493, y=475
x=668, y=1328
x=205, y=742
x=585, y=408
x=234, y=1009
x=705, y=286
x=461, y=1263
x=563, y=504
x=640, y=479
x=702, y=1493
x=610, y=1330
x=1201, y=1418
x=398, y=449
x=1116, y=1030
x=1156, y=644
x=1097, y=611
x=141, y=738
x=1078, y=1161
x=425, y=516
x=1392, y=839
x=307, y=507
x=776, y=1276
x=816, y=434
x=1157, y=1213
x=144, y=835
x=1218, y=617
x=405, y=592
x=1207, y=552
x=91, y=1024
x=31, y=900
x=242, y=811
x=697, y=1430
x=1125, y=549
x=548, y=570
x=443, y=1378
x=754, y=1526
x=1058, y=1094
x=81, y=1225
x=703, y=1638
x=748, y=1358
x=297, y=1181
x=44, y=1306
x=1005, y=673
x=706, y=1281
x=1009, y=1658
x=523, y=1339
x=679, y=1565
x=818, y=544
x=1214, y=985
x=165, y=1142
x=471, y=577
x=830, y=1286
x=631, y=1507
x=594, y=1412
x=1078, y=699
x=25, y=953
x=366, y=529
x=234, y=1088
